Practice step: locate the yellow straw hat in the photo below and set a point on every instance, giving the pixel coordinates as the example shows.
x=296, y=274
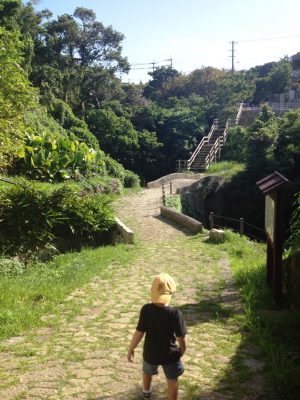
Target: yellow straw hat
x=163, y=286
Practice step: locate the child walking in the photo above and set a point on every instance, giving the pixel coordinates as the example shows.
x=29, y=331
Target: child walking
x=163, y=325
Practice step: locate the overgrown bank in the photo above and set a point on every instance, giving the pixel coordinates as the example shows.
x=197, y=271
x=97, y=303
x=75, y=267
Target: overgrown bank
x=276, y=331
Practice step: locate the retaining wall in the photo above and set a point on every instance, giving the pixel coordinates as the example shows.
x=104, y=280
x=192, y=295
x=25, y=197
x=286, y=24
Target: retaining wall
x=183, y=220
x=171, y=177
x=126, y=233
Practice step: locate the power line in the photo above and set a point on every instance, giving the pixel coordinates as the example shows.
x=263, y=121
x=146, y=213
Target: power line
x=273, y=38
x=135, y=69
x=155, y=62
x=138, y=66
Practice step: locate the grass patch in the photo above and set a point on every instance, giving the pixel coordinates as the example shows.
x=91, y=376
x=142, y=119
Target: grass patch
x=41, y=290
x=174, y=201
x=276, y=331
x=227, y=169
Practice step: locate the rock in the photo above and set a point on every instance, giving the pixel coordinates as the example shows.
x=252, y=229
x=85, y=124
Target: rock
x=202, y=197
x=217, y=236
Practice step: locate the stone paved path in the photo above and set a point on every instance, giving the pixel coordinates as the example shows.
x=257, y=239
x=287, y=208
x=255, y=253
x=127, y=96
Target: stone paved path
x=85, y=358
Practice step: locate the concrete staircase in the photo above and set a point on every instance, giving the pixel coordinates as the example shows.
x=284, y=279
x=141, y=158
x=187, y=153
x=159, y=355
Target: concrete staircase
x=207, y=151
x=200, y=163
x=248, y=116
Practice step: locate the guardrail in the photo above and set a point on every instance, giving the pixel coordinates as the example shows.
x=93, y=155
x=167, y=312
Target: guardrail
x=216, y=149
x=204, y=140
x=239, y=113
x=238, y=225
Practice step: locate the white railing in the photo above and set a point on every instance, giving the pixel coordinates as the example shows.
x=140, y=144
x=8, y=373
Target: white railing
x=216, y=148
x=226, y=132
x=220, y=141
x=212, y=155
x=239, y=113
x=204, y=140
x=181, y=165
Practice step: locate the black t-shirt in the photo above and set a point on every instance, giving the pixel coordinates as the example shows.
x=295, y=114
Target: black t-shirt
x=162, y=325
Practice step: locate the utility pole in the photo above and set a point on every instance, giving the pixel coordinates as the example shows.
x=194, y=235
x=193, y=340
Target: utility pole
x=232, y=56
x=153, y=63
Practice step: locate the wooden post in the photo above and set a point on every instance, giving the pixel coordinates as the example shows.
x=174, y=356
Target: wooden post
x=271, y=186
x=171, y=188
x=277, y=255
x=211, y=220
x=163, y=194
x=241, y=226
x=269, y=276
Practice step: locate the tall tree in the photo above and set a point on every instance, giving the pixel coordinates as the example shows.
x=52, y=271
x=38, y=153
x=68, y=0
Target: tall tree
x=155, y=89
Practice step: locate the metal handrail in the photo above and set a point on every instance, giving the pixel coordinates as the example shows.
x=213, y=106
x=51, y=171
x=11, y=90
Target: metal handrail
x=212, y=153
x=220, y=141
x=239, y=113
x=241, y=221
x=226, y=130
x=204, y=140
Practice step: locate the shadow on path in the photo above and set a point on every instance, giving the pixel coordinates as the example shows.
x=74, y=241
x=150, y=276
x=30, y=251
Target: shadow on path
x=174, y=225
x=241, y=379
x=133, y=394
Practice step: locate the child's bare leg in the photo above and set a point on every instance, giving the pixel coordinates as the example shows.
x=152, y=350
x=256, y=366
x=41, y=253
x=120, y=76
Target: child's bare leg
x=172, y=389
x=147, y=379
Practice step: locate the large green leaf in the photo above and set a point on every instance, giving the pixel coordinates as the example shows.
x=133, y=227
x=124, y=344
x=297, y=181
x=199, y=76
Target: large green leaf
x=21, y=152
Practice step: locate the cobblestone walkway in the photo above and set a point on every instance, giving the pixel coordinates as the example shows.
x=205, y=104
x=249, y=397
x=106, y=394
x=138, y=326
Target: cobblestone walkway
x=86, y=358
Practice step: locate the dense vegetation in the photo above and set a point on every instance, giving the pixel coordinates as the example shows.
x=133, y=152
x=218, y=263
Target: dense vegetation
x=76, y=134
x=72, y=63
x=66, y=115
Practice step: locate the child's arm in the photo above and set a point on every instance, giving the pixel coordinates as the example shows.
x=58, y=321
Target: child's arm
x=136, y=338
x=182, y=344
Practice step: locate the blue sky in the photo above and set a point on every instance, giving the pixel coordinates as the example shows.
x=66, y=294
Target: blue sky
x=196, y=33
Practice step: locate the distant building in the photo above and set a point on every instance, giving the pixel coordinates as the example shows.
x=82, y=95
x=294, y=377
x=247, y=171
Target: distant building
x=291, y=98
x=296, y=68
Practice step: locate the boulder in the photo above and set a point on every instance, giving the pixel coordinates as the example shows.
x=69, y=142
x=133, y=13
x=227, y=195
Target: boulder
x=204, y=196
x=217, y=236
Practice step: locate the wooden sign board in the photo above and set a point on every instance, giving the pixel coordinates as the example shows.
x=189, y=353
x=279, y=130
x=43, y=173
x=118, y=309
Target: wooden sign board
x=271, y=186
x=270, y=217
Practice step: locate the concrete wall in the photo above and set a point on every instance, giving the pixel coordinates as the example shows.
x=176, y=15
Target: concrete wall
x=168, y=178
x=126, y=233
x=183, y=220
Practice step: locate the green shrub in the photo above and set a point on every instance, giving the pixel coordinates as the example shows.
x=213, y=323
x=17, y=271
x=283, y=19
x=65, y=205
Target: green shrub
x=84, y=135
x=10, y=267
x=32, y=219
x=101, y=184
x=26, y=219
x=39, y=120
x=63, y=113
x=114, y=168
x=55, y=158
x=87, y=219
x=131, y=179
x=16, y=93
x=294, y=239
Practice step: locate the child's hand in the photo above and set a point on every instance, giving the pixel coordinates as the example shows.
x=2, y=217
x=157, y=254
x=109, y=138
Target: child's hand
x=130, y=355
